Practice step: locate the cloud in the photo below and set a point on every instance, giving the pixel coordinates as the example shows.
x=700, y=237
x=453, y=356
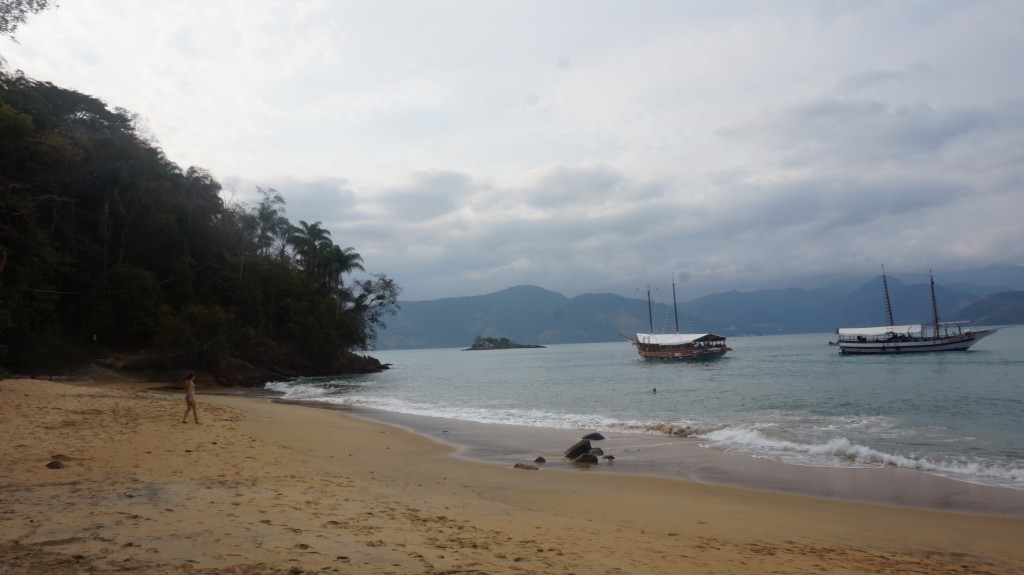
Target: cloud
x=429, y=195
x=463, y=147
x=864, y=80
x=836, y=131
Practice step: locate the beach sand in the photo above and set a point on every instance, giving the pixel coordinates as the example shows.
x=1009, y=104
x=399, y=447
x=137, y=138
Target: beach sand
x=263, y=487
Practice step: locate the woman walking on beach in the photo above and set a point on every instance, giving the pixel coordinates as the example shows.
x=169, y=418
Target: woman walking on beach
x=190, y=397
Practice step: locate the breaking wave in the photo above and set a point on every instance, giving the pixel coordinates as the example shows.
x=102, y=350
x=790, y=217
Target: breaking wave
x=786, y=443
x=840, y=451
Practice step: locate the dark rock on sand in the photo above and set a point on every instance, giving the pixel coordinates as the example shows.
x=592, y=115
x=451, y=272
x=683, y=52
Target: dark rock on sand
x=597, y=451
x=540, y=460
x=581, y=447
x=595, y=436
x=528, y=466
x=586, y=458
x=55, y=464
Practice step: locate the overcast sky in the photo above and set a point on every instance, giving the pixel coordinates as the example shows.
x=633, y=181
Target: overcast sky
x=584, y=146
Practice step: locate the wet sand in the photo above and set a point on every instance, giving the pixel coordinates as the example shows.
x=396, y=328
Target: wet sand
x=264, y=487
x=685, y=458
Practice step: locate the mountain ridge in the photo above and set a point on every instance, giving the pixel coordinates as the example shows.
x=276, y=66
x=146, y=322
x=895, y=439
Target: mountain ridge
x=531, y=314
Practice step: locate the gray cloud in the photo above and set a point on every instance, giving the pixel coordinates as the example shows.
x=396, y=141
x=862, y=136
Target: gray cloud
x=860, y=131
x=428, y=195
x=588, y=146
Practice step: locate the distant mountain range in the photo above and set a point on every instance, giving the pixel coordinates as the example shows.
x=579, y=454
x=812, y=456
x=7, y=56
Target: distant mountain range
x=533, y=315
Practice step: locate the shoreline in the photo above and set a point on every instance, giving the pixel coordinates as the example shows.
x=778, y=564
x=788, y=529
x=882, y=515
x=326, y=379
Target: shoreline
x=685, y=459
x=271, y=487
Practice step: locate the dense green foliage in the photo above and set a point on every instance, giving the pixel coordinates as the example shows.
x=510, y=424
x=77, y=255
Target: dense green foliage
x=106, y=243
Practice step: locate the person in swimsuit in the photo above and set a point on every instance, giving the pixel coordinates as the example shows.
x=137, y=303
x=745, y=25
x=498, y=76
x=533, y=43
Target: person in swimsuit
x=190, y=397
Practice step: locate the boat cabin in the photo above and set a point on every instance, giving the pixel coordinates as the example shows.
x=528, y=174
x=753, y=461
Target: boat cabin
x=680, y=345
x=879, y=334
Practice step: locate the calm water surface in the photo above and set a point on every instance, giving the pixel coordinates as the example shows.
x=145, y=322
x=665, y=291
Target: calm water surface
x=787, y=398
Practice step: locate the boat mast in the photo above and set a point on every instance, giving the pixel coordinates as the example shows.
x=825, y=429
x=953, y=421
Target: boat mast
x=935, y=305
x=888, y=302
x=675, y=309
x=650, y=314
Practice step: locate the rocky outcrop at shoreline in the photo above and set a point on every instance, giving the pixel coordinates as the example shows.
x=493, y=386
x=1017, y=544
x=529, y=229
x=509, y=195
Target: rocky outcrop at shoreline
x=227, y=371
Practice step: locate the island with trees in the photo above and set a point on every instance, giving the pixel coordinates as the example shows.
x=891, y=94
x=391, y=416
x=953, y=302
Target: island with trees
x=482, y=343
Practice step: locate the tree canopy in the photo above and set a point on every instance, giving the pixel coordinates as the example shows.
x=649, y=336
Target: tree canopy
x=14, y=13
x=106, y=243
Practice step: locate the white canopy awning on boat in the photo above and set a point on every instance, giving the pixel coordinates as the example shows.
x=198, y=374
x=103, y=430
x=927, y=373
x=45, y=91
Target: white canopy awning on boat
x=874, y=331
x=676, y=338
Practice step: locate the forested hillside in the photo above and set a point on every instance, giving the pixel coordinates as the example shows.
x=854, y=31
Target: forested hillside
x=107, y=246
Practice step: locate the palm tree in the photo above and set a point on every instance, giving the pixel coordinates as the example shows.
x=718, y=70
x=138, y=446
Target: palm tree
x=338, y=261
x=309, y=241
x=271, y=224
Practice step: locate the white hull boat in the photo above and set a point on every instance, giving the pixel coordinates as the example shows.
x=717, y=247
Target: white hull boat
x=915, y=338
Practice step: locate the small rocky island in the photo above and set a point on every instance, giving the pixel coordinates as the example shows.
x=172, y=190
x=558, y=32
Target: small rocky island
x=498, y=343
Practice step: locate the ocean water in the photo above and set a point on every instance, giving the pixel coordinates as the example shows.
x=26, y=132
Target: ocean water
x=788, y=398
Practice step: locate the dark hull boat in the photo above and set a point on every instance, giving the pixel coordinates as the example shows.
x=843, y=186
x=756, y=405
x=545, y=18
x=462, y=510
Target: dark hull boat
x=677, y=346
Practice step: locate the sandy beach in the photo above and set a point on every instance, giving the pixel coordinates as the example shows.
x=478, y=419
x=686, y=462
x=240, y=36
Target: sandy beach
x=264, y=487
